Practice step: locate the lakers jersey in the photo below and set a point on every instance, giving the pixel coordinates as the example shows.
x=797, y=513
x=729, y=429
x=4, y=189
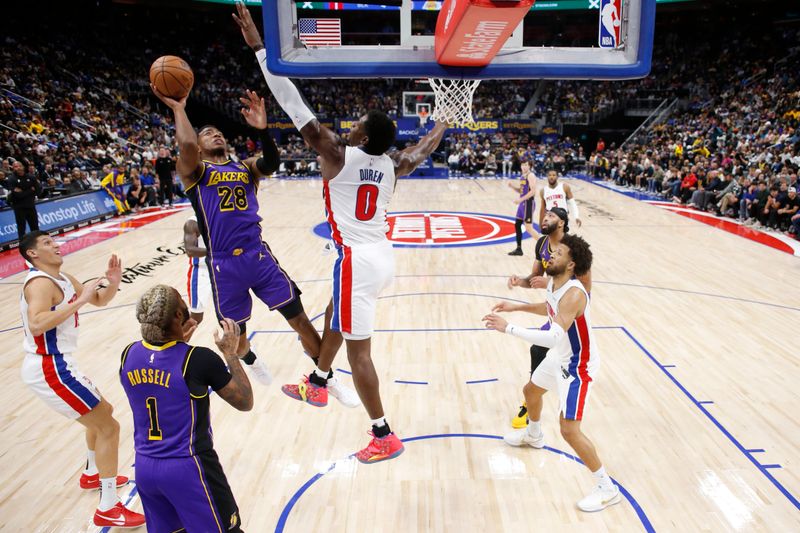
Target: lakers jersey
x=60, y=340
x=224, y=200
x=554, y=196
x=356, y=199
x=577, y=349
x=524, y=186
x=543, y=251
x=168, y=419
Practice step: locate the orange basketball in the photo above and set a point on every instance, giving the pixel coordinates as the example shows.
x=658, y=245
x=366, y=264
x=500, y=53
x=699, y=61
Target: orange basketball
x=172, y=76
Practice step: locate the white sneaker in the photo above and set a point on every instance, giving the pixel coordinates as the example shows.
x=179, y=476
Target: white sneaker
x=346, y=396
x=521, y=437
x=260, y=372
x=599, y=499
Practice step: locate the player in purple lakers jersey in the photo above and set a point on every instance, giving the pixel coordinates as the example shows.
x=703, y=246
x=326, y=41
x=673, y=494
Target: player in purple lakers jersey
x=223, y=194
x=178, y=473
x=555, y=224
x=526, y=205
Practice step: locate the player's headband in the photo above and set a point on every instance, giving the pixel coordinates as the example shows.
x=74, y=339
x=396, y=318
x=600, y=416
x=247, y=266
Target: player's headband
x=561, y=213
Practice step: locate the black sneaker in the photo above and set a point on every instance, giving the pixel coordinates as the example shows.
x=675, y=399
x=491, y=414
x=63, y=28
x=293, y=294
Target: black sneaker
x=517, y=251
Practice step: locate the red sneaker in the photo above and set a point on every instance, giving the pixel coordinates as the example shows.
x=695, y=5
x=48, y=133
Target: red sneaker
x=93, y=482
x=118, y=516
x=381, y=449
x=307, y=392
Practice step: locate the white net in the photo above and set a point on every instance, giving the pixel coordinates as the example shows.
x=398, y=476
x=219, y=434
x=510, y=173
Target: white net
x=453, y=100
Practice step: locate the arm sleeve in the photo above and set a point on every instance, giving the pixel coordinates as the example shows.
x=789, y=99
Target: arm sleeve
x=286, y=94
x=573, y=209
x=546, y=338
x=205, y=369
x=270, y=158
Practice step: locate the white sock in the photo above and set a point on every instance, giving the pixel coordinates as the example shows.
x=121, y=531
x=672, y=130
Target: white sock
x=378, y=422
x=91, y=466
x=535, y=428
x=108, y=493
x=602, y=478
x=322, y=374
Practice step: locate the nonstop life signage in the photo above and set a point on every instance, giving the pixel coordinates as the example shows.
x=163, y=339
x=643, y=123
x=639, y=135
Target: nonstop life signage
x=54, y=214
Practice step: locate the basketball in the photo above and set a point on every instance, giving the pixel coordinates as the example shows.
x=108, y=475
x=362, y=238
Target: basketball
x=172, y=76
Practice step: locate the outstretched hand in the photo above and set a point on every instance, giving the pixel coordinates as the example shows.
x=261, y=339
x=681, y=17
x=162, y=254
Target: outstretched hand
x=249, y=31
x=254, y=110
x=114, y=270
x=496, y=322
x=170, y=102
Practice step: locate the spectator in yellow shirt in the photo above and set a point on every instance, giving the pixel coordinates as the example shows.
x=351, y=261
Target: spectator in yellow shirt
x=114, y=185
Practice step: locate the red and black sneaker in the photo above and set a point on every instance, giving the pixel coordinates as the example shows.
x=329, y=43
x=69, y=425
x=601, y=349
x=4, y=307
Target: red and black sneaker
x=381, y=449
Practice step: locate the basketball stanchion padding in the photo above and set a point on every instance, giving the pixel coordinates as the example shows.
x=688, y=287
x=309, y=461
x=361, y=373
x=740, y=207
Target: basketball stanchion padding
x=453, y=100
x=469, y=33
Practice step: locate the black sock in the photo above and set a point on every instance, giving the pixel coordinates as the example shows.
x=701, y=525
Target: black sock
x=518, y=230
x=250, y=358
x=318, y=381
x=382, y=431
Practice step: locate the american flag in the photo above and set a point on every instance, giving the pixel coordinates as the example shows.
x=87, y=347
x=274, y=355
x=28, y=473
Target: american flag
x=320, y=32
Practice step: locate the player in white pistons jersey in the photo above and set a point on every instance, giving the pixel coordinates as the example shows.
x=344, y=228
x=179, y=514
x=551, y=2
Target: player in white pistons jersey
x=570, y=365
x=358, y=179
x=49, y=305
x=554, y=193
x=198, y=283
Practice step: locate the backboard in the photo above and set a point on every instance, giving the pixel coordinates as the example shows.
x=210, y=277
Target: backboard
x=405, y=48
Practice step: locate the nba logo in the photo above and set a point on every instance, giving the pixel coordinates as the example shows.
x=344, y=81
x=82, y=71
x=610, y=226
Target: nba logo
x=610, y=23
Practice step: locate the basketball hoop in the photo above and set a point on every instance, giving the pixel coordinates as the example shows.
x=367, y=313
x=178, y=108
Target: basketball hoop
x=453, y=103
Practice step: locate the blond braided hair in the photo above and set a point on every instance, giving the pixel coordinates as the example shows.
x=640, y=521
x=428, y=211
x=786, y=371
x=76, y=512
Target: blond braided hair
x=155, y=311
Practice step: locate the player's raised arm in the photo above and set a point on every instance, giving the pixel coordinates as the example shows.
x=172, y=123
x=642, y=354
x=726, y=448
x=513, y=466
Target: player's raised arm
x=570, y=307
x=255, y=113
x=572, y=205
x=542, y=209
x=238, y=391
x=41, y=294
x=191, y=239
x=407, y=160
x=320, y=138
x=188, y=165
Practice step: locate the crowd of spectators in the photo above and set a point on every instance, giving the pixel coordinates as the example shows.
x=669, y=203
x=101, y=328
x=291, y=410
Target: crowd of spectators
x=74, y=116
x=734, y=151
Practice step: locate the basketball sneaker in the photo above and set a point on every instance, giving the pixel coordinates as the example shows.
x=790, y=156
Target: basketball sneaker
x=521, y=437
x=93, y=482
x=118, y=516
x=260, y=372
x=521, y=420
x=516, y=251
x=305, y=391
x=380, y=449
x=599, y=499
x=346, y=396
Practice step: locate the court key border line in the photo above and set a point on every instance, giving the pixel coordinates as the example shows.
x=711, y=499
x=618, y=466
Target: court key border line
x=283, y=518
x=664, y=368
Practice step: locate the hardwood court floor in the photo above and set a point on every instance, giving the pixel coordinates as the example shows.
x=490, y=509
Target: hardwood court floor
x=717, y=311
